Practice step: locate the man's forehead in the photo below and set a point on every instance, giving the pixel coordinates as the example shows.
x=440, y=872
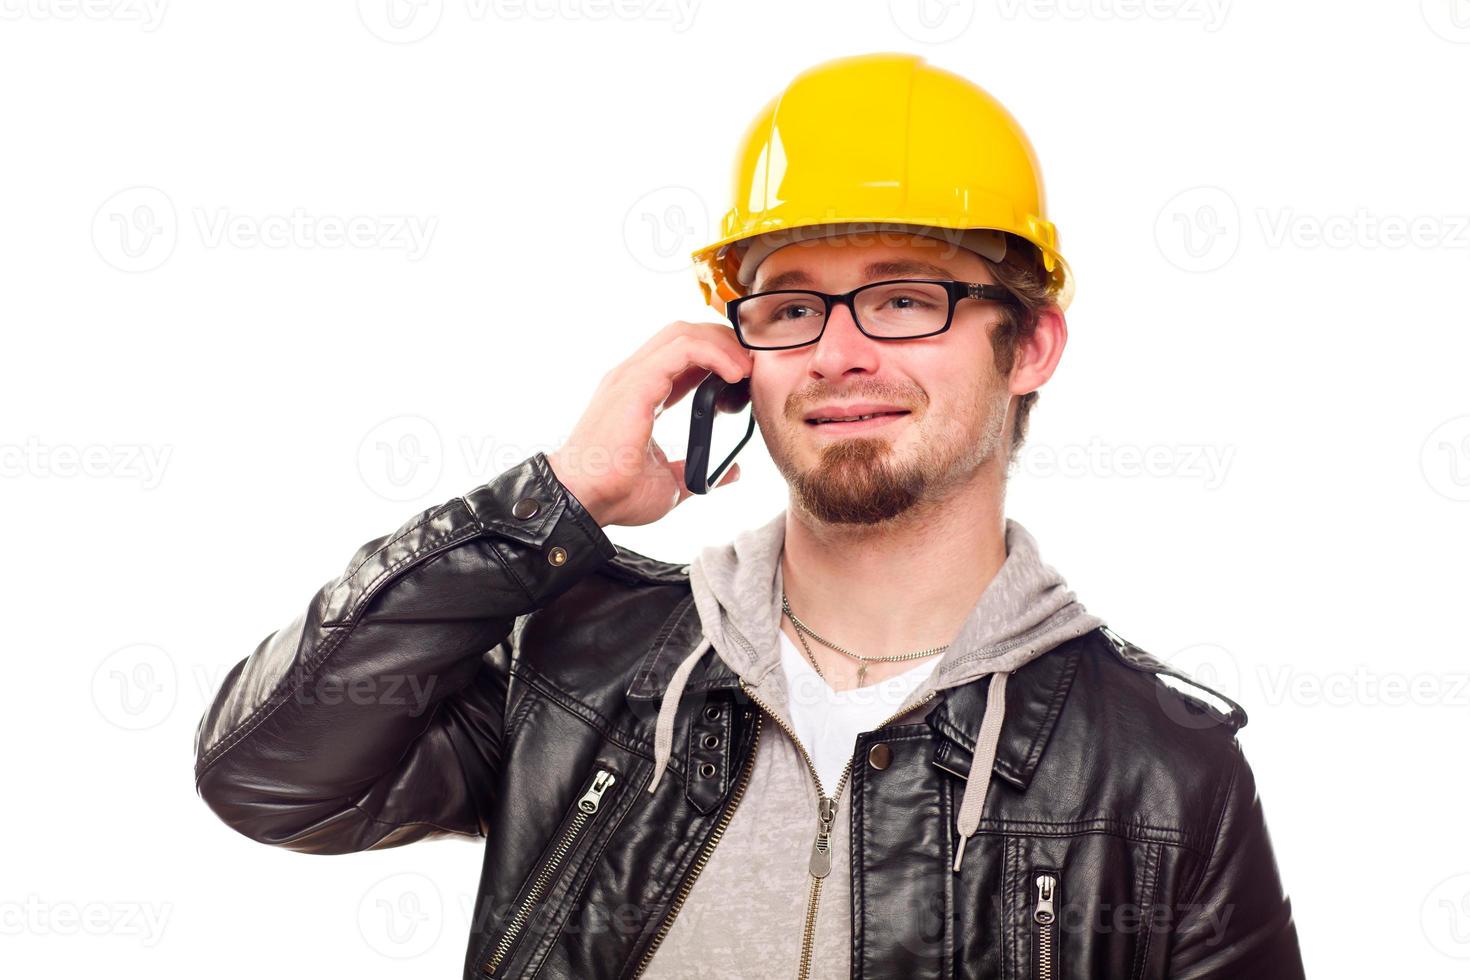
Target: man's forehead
x=885, y=269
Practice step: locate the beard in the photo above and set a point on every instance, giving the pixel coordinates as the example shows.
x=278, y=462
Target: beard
x=859, y=481
x=864, y=480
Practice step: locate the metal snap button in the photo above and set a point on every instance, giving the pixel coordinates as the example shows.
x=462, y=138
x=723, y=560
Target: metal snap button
x=707, y=769
x=557, y=555
x=526, y=508
x=880, y=755
x=712, y=711
x=710, y=741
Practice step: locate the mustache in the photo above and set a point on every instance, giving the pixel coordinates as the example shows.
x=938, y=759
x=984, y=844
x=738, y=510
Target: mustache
x=798, y=403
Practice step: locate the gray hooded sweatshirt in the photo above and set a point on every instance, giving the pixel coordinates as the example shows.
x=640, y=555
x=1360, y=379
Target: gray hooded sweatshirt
x=745, y=915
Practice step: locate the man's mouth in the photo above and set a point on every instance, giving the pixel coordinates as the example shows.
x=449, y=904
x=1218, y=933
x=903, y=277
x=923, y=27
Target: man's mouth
x=855, y=421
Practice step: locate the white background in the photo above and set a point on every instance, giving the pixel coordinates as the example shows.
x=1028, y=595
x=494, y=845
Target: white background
x=1253, y=461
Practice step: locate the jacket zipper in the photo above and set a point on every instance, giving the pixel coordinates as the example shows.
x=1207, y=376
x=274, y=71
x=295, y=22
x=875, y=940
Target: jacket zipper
x=704, y=854
x=1045, y=916
x=587, y=807
x=821, y=860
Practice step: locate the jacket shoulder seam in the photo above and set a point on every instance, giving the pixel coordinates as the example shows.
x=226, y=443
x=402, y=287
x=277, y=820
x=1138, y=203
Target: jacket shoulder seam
x=1136, y=658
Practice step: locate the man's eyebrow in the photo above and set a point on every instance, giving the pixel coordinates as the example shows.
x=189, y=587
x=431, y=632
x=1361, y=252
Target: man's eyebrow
x=871, y=273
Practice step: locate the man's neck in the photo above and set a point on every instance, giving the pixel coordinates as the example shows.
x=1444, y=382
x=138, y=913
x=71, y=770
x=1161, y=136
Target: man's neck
x=894, y=588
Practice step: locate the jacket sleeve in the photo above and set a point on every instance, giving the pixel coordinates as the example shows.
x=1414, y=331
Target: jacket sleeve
x=1238, y=922
x=375, y=717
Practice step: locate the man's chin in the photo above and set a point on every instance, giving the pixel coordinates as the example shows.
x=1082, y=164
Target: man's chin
x=847, y=490
x=858, y=447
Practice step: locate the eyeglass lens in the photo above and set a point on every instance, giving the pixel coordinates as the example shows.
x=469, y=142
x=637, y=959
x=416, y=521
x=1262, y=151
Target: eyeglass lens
x=905, y=309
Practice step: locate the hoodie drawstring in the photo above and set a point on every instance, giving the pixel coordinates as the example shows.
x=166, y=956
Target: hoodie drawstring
x=663, y=734
x=981, y=763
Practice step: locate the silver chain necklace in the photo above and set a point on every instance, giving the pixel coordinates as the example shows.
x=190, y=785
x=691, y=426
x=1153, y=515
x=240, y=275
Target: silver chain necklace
x=863, y=669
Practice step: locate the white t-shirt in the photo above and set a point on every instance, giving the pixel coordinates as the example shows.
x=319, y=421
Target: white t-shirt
x=828, y=722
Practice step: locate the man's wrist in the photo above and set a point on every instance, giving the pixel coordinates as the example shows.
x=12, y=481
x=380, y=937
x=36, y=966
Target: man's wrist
x=583, y=494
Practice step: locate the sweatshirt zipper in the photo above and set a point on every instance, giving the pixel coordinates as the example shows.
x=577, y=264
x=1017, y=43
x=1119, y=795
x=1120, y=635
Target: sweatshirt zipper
x=709, y=847
x=1045, y=916
x=821, y=860
x=587, y=807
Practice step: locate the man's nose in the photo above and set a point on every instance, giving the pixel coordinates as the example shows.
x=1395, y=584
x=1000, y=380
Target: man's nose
x=842, y=346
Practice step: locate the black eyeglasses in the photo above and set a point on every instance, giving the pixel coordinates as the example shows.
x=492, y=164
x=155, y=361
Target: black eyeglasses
x=894, y=309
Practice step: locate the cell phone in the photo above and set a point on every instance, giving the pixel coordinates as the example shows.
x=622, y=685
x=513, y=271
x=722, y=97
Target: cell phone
x=701, y=430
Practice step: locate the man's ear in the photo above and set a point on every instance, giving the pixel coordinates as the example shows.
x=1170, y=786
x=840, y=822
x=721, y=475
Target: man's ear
x=1037, y=356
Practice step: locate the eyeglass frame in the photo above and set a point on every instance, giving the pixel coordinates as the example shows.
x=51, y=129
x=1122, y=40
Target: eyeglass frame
x=956, y=289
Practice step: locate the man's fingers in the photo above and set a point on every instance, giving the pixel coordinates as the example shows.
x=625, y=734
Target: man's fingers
x=686, y=382
x=709, y=331
x=674, y=361
x=677, y=469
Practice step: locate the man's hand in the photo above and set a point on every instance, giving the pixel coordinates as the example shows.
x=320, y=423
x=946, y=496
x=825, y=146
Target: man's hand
x=610, y=462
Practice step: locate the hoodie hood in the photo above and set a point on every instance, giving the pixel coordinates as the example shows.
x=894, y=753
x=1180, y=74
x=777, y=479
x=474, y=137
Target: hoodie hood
x=1025, y=611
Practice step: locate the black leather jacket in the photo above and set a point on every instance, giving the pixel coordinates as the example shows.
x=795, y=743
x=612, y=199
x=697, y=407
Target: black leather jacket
x=493, y=668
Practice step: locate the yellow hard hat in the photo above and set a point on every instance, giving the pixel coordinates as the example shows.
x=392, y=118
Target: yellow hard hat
x=881, y=141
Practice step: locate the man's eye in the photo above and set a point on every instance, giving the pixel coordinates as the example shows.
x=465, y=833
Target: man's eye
x=907, y=302
x=795, y=311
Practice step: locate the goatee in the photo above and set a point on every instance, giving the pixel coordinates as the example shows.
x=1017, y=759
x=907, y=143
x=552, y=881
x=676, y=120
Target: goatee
x=855, y=482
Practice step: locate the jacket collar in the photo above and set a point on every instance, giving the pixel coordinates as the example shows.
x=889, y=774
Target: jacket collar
x=1034, y=697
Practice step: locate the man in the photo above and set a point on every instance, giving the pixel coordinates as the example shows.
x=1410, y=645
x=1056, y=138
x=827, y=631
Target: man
x=876, y=736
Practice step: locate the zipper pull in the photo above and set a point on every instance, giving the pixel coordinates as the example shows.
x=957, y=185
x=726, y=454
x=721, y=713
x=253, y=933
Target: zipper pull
x=1045, y=891
x=600, y=783
x=821, y=865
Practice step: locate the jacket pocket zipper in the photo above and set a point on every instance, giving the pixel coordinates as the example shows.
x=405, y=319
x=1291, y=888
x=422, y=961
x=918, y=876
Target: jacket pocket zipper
x=1044, y=914
x=587, y=808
